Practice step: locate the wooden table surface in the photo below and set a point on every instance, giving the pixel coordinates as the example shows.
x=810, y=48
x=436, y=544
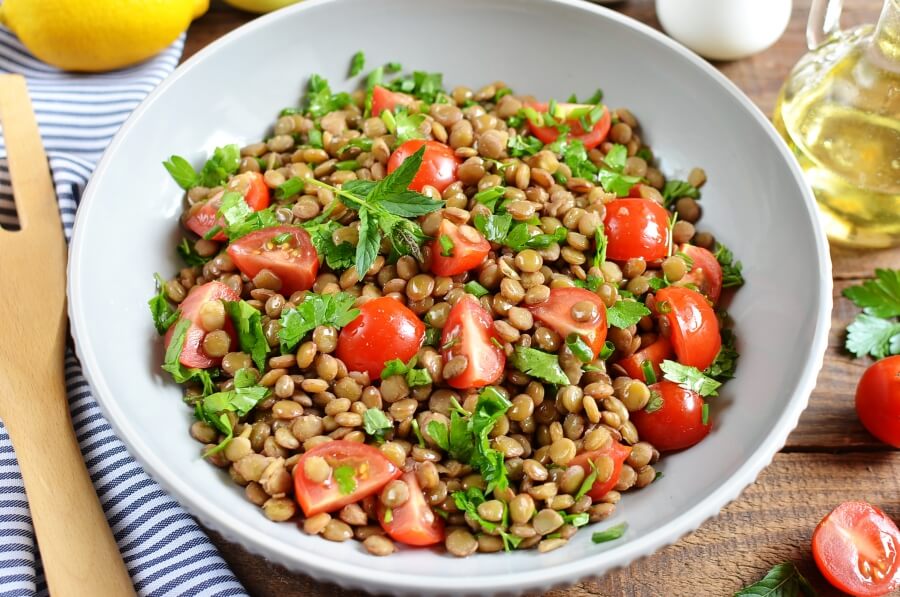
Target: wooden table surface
x=829, y=458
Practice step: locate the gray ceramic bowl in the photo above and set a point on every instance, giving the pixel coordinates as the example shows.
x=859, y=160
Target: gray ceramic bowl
x=755, y=201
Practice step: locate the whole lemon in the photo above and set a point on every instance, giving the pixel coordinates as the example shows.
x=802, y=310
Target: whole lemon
x=98, y=35
x=260, y=6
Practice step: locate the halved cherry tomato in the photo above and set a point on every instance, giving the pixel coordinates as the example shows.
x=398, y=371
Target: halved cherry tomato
x=591, y=138
x=469, y=332
x=614, y=450
x=556, y=312
x=413, y=523
x=857, y=549
x=192, y=354
x=385, y=329
x=202, y=217
x=692, y=323
x=439, y=164
x=385, y=99
x=878, y=400
x=675, y=425
x=468, y=252
x=656, y=353
x=705, y=274
x=294, y=260
x=370, y=471
x=636, y=228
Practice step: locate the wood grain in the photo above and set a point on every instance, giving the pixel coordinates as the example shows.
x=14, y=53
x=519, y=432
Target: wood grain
x=829, y=457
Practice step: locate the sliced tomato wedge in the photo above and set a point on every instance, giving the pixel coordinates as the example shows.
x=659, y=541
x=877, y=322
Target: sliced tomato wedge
x=413, y=523
x=856, y=548
x=556, y=312
x=294, y=259
x=203, y=216
x=676, y=423
x=656, y=353
x=591, y=139
x=192, y=354
x=439, y=164
x=618, y=452
x=385, y=330
x=692, y=323
x=636, y=228
x=357, y=471
x=469, y=332
x=385, y=99
x=705, y=274
x=467, y=249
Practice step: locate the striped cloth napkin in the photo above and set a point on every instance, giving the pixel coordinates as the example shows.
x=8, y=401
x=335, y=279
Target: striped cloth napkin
x=164, y=549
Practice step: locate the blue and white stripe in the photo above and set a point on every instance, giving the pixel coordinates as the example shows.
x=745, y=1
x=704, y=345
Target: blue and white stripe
x=164, y=549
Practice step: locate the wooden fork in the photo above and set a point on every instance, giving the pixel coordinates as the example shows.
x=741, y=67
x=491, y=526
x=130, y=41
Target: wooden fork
x=79, y=554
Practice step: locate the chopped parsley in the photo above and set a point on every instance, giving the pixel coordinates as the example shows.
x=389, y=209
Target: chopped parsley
x=240, y=219
x=376, y=423
x=536, y=363
x=214, y=409
x=468, y=501
x=425, y=86
x=591, y=282
x=215, y=172
x=690, y=378
x=520, y=238
x=337, y=256
x=189, y=255
x=494, y=227
x=655, y=403
x=172, y=363
x=612, y=178
x=490, y=196
x=523, y=145
x=731, y=269
x=164, y=316
x=676, y=189
x=722, y=368
x=248, y=324
x=345, y=477
x=320, y=100
x=626, y=313
x=334, y=310
x=414, y=377
x=357, y=63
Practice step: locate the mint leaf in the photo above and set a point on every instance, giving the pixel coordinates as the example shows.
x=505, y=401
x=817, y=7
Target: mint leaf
x=783, y=580
x=161, y=309
x=690, y=378
x=626, y=313
x=182, y=172
x=880, y=296
x=334, y=310
x=536, y=363
x=369, y=241
x=248, y=324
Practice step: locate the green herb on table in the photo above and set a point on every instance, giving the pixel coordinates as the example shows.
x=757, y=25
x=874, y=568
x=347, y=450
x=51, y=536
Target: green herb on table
x=335, y=310
x=876, y=331
x=248, y=324
x=164, y=315
x=610, y=534
x=783, y=580
x=357, y=63
x=626, y=313
x=536, y=363
x=690, y=378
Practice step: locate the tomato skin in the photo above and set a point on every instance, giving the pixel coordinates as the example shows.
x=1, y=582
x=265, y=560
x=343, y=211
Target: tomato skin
x=385, y=99
x=591, y=139
x=656, y=353
x=705, y=274
x=256, y=195
x=385, y=329
x=192, y=354
x=465, y=254
x=694, y=328
x=327, y=497
x=469, y=332
x=413, y=523
x=555, y=312
x=618, y=452
x=677, y=424
x=636, y=228
x=439, y=164
x=854, y=536
x=295, y=265
x=878, y=400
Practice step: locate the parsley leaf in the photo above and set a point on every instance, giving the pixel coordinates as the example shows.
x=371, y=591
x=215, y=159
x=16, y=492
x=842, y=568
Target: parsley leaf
x=731, y=269
x=468, y=502
x=626, y=313
x=655, y=403
x=345, y=477
x=334, y=310
x=319, y=99
x=407, y=125
x=874, y=336
x=600, y=244
x=783, y=580
x=722, y=368
x=425, y=86
x=182, y=172
x=611, y=178
x=490, y=196
x=161, y=309
x=172, y=363
x=338, y=257
x=610, y=534
x=357, y=63
x=414, y=377
x=446, y=245
x=542, y=365
x=240, y=219
x=690, y=378
x=880, y=296
x=579, y=348
x=494, y=227
x=591, y=282
x=213, y=410
x=223, y=163
x=189, y=255
x=248, y=323
x=520, y=238
x=376, y=423
x=523, y=145
x=676, y=189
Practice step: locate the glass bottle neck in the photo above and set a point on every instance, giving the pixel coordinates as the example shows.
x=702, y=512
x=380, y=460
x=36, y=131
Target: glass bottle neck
x=887, y=34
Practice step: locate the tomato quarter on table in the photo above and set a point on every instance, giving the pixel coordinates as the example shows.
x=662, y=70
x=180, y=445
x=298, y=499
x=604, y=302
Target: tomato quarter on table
x=692, y=323
x=878, y=400
x=676, y=423
x=457, y=249
x=202, y=217
x=705, y=273
x=385, y=99
x=286, y=251
x=558, y=313
x=469, y=332
x=591, y=138
x=655, y=354
x=439, y=164
x=385, y=329
x=636, y=228
x=192, y=354
x=341, y=472
x=857, y=549
x=616, y=454
x=414, y=522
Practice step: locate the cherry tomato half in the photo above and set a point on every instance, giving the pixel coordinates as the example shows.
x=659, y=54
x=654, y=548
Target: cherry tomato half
x=656, y=353
x=705, y=274
x=556, y=312
x=878, y=400
x=857, y=549
x=385, y=329
x=192, y=354
x=385, y=99
x=439, y=164
x=692, y=323
x=675, y=425
x=413, y=523
x=202, y=216
x=469, y=332
x=591, y=138
x=617, y=452
x=369, y=471
x=636, y=228
x=293, y=260
x=468, y=251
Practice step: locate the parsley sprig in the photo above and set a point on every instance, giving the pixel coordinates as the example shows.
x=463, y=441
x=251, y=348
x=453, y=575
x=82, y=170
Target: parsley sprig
x=334, y=310
x=214, y=409
x=876, y=331
x=224, y=162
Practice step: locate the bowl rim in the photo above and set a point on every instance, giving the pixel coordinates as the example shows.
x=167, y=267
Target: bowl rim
x=253, y=537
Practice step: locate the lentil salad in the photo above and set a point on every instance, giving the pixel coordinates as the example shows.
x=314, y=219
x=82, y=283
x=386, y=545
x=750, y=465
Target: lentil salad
x=539, y=318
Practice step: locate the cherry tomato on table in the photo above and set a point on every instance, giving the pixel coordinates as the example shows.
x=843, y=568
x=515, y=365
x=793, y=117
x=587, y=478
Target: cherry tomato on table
x=692, y=323
x=655, y=353
x=857, y=549
x=556, y=313
x=617, y=452
x=385, y=99
x=294, y=260
x=469, y=332
x=413, y=523
x=677, y=423
x=705, y=274
x=878, y=400
x=468, y=251
x=385, y=329
x=357, y=471
x=192, y=354
x=202, y=216
x=439, y=164
x=636, y=228
x=591, y=139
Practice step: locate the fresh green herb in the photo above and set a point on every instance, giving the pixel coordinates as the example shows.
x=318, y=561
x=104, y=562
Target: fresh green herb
x=319, y=99
x=337, y=256
x=876, y=331
x=608, y=349
x=215, y=172
x=393, y=67
x=282, y=238
x=690, y=378
x=334, y=310
x=626, y=313
x=494, y=227
x=290, y=111
x=594, y=99
x=523, y=145
x=655, y=403
x=432, y=336
x=414, y=377
x=676, y=189
x=161, y=309
x=880, y=296
x=347, y=165
x=182, y=172
x=425, y=86
x=314, y=136
x=214, y=409
x=490, y=196
x=289, y=188
x=575, y=156
x=376, y=423
x=244, y=378
x=612, y=178
x=360, y=143
x=357, y=63
x=536, y=363
x=588, y=481
x=375, y=78
x=704, y=418
x=345, y=476
x=600, y=244
x=172, y=363
x=388, y=515
x=407, y=125
x=446, y=245
x=649, y=373
x=579, y=348
x=591, y=282
x=501, y=93
x=474, y=288
x=645, y=154
x=722, y=368
x=418, y=433
x=248, y=324
x=731, y=269
x=610, y=534
x=532, y=115
x=520, y=238
x=468, y=502
x=783, y=580
x=189, y=255
x=240, y=219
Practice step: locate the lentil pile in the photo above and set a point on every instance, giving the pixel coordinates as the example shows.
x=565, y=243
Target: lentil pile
x=463, y=318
